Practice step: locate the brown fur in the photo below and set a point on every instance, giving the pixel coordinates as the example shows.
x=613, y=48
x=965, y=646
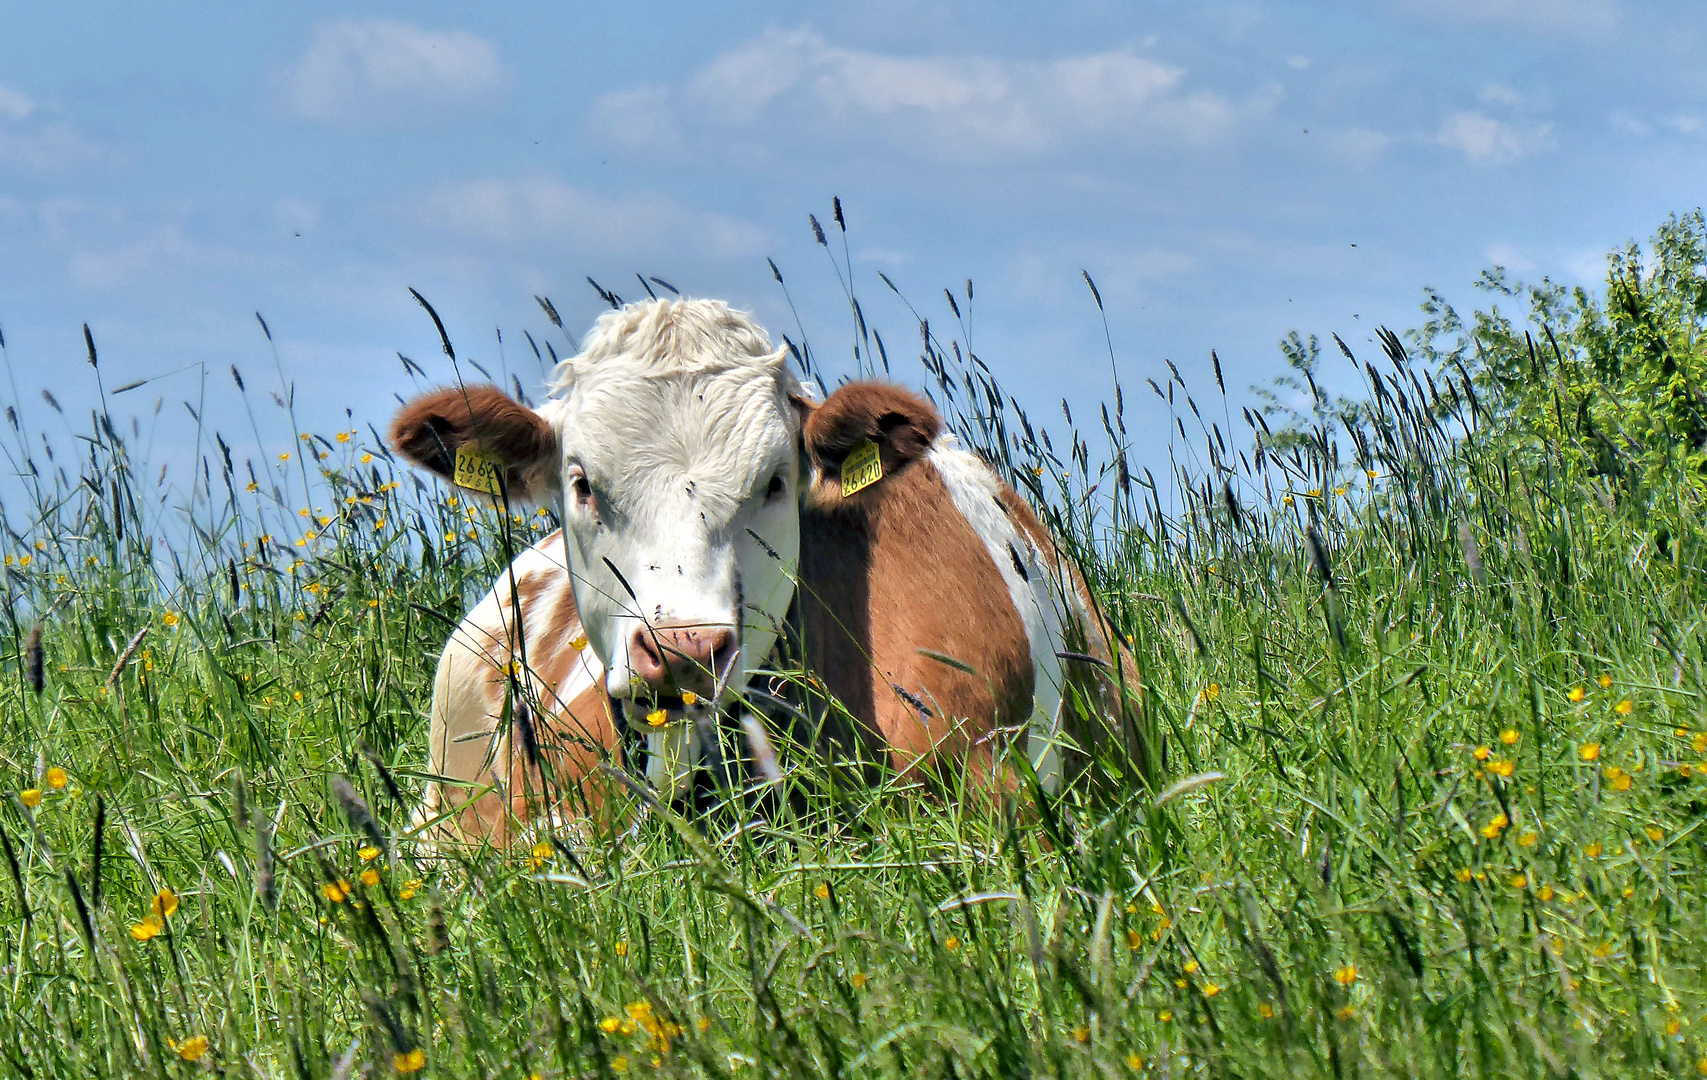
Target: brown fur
x=429, y=430
x=893, y=569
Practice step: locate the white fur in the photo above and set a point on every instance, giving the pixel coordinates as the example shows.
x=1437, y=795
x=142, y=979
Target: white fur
x=678, y=414
x=1043, y=598
x=467, y=699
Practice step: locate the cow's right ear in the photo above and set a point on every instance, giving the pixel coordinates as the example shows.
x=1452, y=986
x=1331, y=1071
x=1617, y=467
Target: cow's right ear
x=430, y=430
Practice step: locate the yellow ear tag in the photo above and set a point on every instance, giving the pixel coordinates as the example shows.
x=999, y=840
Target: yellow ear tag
x=862, y=468
x=477, y=471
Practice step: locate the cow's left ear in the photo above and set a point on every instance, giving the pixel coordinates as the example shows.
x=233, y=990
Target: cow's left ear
x=489, y=431
x=900, y=426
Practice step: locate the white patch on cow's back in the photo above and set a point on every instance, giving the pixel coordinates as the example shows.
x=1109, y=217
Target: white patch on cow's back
x=1039, y=596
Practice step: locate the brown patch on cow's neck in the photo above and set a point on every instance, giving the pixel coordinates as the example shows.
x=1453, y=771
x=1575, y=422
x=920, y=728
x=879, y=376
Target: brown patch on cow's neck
x=896, y=570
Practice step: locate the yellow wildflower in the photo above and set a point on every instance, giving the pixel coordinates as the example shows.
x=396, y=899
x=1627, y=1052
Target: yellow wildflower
x=412, y=1062
x=1577, y=694
x=1624, y=707
x=1081, y=1034
x=1545, y=893
x=1134, y=1062
x=30, y=797
x=1210, y=989
x=146, y=929
x=1493, y=828
x=1502, y=768
x=1212, y=692
x=1463, y=874
x=704, y=1022
x=622, y=948
x=1527, y=839
x=367, y=854
x=952, y=943
x=657, y=718
x=1265, y=1010
x=1592, y=851
x=1699, y=743
x=822, y=892
x=1346, y=975
x=55, y=777
x=1605, y=681
x=1509, y=736
x=1618, y=778
x=578, y=642
x=1519, y=881
x=192, y=1048
x=689, y=698
x=1589, y=751
x=1603, y=950
x=343, y=436
x=370, y=877
x=1480, y=753
x=619, y=1064
x=336, y=891
x=165, y=904
x=610, y=1025
x=539, y=854
x=1345, y=1013
x=1655, y=833
x=170, y=618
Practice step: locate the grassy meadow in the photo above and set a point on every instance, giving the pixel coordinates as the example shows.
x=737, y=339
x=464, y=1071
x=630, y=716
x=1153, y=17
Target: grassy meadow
x=1428, y=674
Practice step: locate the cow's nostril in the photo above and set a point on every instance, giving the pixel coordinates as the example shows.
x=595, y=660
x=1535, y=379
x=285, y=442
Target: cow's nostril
x=722, y=651
x=646, y=658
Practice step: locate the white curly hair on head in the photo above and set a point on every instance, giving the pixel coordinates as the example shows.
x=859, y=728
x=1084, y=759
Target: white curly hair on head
x=666, y=338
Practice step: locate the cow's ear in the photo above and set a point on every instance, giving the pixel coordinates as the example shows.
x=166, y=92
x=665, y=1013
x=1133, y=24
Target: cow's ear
x=485, y=425
x=900, y=425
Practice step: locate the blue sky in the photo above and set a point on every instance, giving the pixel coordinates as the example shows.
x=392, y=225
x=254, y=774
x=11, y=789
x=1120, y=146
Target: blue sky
x=1226, y=171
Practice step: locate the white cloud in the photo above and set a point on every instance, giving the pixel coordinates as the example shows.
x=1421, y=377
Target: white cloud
x=1495, y=94
x=1573, y=17
x=15, y=105
x=150, y=257
x=958, y=107
x=1509, y=257
x=379, y=72
x=1485, y=140
x=30, y=139
x=536, y=210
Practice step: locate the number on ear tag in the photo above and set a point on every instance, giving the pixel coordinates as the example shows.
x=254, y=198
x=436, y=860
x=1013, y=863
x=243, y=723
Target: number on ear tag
x=477, y=471
x=862, y=468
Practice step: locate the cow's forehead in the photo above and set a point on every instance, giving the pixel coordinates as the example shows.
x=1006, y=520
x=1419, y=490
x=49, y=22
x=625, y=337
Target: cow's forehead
x=711, y=427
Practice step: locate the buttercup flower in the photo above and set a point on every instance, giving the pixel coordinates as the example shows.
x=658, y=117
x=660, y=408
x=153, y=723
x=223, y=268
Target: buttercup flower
x=191, y=1049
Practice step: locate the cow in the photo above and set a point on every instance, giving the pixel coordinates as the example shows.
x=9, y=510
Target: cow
x=708, y=504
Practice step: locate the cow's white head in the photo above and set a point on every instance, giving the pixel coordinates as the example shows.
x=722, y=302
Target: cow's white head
x=673, y=443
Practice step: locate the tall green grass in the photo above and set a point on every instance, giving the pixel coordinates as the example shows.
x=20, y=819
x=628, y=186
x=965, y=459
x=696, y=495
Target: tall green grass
x=1431, y=800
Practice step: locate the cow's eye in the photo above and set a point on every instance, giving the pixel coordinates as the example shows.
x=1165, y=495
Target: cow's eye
x=774, y=488
x=582, y=489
